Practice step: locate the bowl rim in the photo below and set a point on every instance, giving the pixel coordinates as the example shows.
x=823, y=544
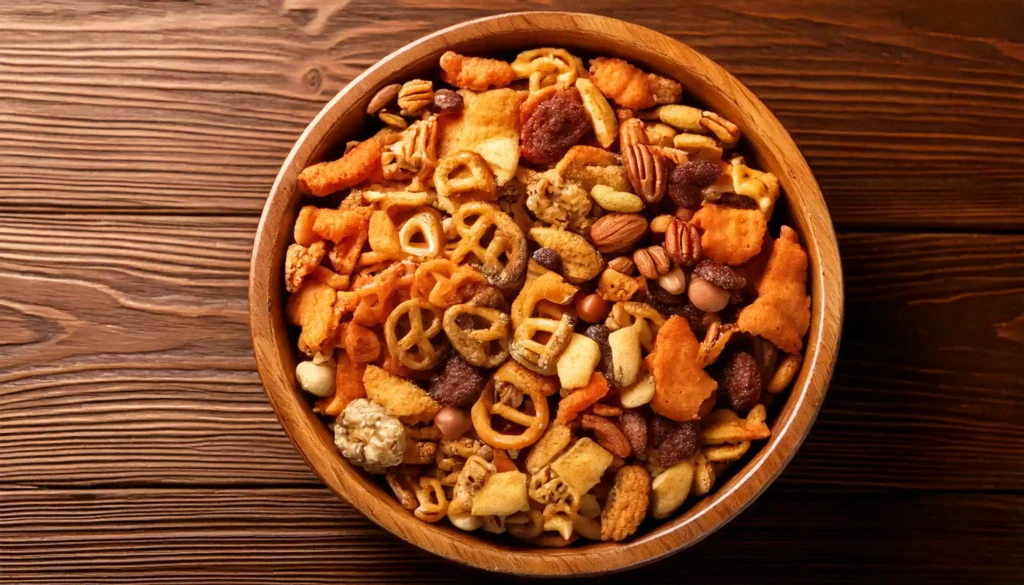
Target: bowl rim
x=275, y=361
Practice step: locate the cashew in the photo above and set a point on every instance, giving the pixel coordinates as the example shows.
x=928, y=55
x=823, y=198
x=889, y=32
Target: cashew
x=670, y=489
x=317, y=379
x=625, y=345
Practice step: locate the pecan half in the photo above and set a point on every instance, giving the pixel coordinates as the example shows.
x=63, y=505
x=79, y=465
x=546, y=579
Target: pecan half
x=652, y=261
x=647, y=172
x=682, y=242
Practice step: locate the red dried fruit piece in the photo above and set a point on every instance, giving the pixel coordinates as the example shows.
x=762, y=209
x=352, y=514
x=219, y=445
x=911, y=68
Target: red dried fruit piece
x=458, y=384
x=634, y=425
x=447, y=100
x=557, y=124
x=740, y=382
x=719, y=275
x=682, y=442
x=686, y=181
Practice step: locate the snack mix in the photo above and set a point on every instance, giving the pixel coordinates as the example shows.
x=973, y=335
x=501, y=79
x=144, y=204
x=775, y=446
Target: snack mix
x=544, y=300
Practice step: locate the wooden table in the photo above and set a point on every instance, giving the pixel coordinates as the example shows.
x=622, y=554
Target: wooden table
x=139, y=139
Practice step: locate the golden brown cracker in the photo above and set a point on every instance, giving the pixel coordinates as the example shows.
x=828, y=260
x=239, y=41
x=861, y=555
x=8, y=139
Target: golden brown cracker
x=681, y=386
x=782, y=311
x=731, y=236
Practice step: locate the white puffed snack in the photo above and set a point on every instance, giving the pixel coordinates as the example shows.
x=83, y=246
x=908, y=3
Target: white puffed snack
x=638, y=393
x=578, y=361
x=625, y=345
x=317, y=379
x=369, y=437
x=670, y=489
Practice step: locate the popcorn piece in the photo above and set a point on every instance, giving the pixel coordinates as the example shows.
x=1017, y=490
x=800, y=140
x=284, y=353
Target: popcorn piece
x=627, y=503
x=299, y=262
x=312, y=308
x=620, y=81
x=369, y=437
x=488, y=126
x=503, y=494
x=475, y=73
x=731, y=236
x=553, y=200
x=401, y=398
x=582, y=466
x=782, y=311
x=681, y=386
x=355, y=167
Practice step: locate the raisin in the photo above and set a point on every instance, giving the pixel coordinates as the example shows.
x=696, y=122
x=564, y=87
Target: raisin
x=548, y=258
x=447, y=100
x=697, y=319
x=662, y=297
x=659, y=429
x=741, y=382
x=557, y=124
x=736, y=201
x=679, y=444
x=634, y=425
x=686, y=181
x=600, y=333
x=458, y=384
x=719, y=275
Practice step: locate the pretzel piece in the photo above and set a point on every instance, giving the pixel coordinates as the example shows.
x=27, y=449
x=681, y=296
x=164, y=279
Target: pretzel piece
x=409, y=331
x=485, y=347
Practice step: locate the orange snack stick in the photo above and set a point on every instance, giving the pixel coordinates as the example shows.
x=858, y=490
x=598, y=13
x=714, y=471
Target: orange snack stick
x=348, y=386
x=348, y=229
x=360, y=343
x=356, y=166
x=682, y=389
x=782, y=311
x=312, y=308
x=572, y=405
x=502, y=462
x=475, y=73
x=622, y=82
x=731, y=236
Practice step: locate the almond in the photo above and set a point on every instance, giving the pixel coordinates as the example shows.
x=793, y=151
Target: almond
x=617, y=231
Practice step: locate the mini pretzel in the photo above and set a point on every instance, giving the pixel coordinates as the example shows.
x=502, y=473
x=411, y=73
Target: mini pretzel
x=465, y=175
x=414, y=348
x=484, y=348
x=542, y=357
x=403, y=481
x=535, y=424
x=433, y=503
x=428, y=225
x=472, y=222
x=546, y=67
x=430, y=275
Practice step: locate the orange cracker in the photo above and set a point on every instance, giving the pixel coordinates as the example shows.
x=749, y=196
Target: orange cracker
x=782, y=311
x=682, y=388
x=731, y=236
x=300, y=262
x=622, y=82
x=312, y=308
x=355, y=167
x=475, y=73
x=488, y=126
x=348, y=386
x=348, y=229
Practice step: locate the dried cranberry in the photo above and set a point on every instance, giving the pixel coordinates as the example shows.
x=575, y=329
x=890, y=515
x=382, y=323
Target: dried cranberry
x=458, y=384
x=548, y=258
x=740, y=382
x=662, y=296
x=600, y=333
x=719, y=275
x=682, y=442
x=557, y=124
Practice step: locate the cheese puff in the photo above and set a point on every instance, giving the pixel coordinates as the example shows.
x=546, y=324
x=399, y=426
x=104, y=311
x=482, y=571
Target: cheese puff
x=312, y=308
x=782, y=311
x=731, y=236
x=356, y=166
x=475, y=73
x=620, y=81
x=682, y=389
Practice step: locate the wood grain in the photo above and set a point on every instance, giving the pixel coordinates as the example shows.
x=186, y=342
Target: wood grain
x=931, y=357
x=917, y=111
x=230, y=536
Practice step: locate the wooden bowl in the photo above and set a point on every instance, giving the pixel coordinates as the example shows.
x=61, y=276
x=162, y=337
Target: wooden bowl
x=343, y=118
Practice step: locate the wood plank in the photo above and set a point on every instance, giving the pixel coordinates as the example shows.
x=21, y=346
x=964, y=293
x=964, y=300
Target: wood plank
x=925, y=395
x=306, y=536
x=909, y=117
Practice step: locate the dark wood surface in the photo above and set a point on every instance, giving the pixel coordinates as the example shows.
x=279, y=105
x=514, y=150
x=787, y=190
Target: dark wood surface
x=138, y=141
